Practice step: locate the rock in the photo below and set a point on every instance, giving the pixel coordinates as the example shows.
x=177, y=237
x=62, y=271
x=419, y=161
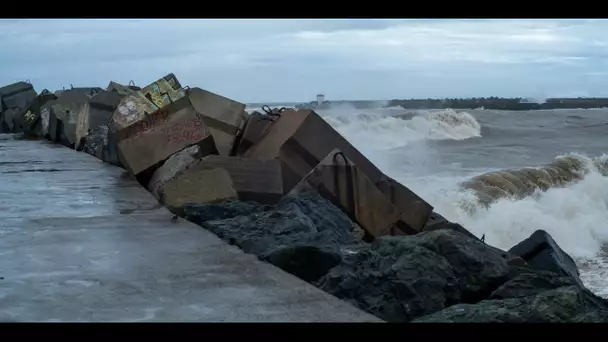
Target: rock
x=434, y=219
x=541, y=252
x=223, y=116
x=196, y=186
x=340, y=181
x=303, y=234
x=531, y=283
x=254, y=128
x=560, y=305
x=449, y=225
x=301, y=138
x=145, y=145
x=402, y=278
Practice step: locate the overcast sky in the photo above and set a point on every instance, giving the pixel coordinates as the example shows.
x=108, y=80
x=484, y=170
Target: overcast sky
x=293, y=60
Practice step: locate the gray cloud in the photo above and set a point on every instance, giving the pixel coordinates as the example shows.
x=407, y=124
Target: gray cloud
x=292, y=60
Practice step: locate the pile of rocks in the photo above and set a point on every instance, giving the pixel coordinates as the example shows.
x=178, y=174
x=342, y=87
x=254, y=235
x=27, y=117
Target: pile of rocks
x=285, y=186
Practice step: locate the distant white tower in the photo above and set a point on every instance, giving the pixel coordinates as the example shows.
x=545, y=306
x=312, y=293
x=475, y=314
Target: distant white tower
x=320, y=99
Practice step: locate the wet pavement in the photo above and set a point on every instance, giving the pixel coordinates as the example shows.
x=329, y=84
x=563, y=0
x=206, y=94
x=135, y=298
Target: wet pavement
x=82, y=241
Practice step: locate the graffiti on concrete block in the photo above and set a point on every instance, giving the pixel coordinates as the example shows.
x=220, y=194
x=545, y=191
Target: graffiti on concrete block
x=29, y=117
x=185, y=132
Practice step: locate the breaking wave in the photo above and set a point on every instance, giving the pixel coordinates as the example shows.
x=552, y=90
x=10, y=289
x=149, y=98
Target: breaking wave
x=388, y=131
x=568, y=197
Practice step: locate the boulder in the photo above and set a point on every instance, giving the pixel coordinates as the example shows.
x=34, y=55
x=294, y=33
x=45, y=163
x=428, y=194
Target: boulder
x=400, y=278
x=343, y=183
x=449, y=225
x=196, y=186
x=531, y=297
x=143, y=146
x=304, y=234
x=541, y=252
x=223, y=116
x=253, y=131
x=301, y=139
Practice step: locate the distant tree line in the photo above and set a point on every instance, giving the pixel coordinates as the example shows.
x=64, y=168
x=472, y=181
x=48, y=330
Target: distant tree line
x=500, y=103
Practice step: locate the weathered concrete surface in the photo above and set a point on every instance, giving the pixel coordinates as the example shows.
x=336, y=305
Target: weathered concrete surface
x=82, y=241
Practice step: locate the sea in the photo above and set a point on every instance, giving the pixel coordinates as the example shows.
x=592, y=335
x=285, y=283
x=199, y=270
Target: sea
x=435, y=152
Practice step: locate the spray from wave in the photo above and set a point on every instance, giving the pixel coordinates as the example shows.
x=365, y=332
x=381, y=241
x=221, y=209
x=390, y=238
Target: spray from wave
x=386, y=130
x=568, y=197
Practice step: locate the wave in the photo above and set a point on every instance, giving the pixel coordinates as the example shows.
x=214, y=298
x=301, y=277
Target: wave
x=521, y=183
x=388, y=129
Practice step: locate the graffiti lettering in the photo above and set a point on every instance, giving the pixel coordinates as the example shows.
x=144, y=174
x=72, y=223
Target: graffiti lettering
x=148, y=122
x=29, y=117
x=185, y=132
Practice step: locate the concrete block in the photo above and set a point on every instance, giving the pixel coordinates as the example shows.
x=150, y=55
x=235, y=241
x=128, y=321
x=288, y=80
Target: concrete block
x=253, y=180
x=138, y=105
x=172, y=166
x=122, y=89
x=17, y=95
x=31, y=120
x=149, y=142
x=69, y=118
x=343, y=183
x=102, y=107
x=197, y=186
x=301, y=139
x=252, y=132
x=223, y=116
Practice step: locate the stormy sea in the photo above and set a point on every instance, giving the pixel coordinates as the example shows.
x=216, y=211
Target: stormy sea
x=502, y=174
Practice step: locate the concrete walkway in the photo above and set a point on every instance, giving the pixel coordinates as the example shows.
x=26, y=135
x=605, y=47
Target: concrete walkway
x=81, y=241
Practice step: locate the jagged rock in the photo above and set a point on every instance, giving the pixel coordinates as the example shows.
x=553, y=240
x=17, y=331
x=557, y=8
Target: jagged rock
x=541, y=252
x=561, y=305
x=445, y=224
x=401, y=278
x=305, y=234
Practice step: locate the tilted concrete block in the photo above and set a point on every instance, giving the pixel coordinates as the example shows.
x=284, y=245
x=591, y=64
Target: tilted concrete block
x=69, y=118
x=144, y=145
x=223, y=116
x=138, y=105
x=197, y=186
x=343, y=183
x=253, y=131
x=301, y=139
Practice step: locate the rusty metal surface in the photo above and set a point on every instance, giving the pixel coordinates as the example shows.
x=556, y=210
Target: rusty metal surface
x=82, y=241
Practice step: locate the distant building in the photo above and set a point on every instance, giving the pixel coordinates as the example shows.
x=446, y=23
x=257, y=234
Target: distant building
x=320, y=99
